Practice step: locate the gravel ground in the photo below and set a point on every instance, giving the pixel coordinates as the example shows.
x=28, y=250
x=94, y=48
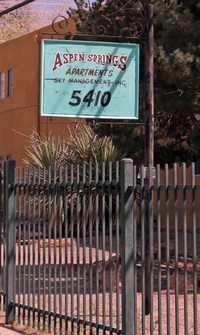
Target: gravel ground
x=106, y=307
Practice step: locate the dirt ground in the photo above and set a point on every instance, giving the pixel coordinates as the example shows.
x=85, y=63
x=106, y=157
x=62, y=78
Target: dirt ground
x=111, y=301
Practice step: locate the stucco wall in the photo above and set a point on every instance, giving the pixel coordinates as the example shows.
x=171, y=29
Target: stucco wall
x=178, y=206
x=19, y=114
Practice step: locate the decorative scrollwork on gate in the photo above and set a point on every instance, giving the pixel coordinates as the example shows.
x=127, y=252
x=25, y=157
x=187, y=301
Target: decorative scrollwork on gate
x=100, y=27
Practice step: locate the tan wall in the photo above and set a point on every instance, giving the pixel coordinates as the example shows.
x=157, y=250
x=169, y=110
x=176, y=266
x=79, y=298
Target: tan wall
x=19, y=114
x=180, y=204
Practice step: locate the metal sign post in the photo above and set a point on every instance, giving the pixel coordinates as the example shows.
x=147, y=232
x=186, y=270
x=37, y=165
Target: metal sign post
x=149, y=156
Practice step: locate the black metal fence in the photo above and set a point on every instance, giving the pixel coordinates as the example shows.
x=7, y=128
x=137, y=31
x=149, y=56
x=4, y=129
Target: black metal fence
x=100, y=249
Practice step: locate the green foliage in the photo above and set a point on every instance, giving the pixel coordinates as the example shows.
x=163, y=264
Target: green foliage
x=177, y=85
x=82, y=147
x=176, y=71
x=177, y=57
x=105, y=14
x=87, y=147
x=45, y=152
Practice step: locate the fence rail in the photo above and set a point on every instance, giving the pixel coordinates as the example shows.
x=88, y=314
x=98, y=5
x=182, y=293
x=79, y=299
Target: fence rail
x=101, y=249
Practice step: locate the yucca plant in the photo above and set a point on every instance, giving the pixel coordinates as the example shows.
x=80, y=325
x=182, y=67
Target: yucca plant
x=84, y=146
x=45, y=151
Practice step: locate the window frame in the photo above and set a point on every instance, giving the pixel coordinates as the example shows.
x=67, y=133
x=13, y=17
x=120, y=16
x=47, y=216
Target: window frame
x=2, y=84
x=10, y=83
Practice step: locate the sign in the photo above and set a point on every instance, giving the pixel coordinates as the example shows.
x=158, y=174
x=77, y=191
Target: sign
x=89, y=79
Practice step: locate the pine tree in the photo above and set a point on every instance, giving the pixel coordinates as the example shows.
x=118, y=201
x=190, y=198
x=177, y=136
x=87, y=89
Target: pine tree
x=177, y=84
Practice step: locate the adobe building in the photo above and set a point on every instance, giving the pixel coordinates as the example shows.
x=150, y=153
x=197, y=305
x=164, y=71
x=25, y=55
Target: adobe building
x=20, y=94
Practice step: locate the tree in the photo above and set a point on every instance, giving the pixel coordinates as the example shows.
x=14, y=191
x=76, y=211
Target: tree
x=177, y=59
x=24, y=20
x=15, y=23
x=177, y=68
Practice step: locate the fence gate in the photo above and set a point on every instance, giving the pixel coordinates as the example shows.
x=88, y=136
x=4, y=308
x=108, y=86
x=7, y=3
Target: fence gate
x=61, y=264
x=108, y=249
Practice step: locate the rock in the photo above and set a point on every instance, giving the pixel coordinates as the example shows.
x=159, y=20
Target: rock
x=100, y=268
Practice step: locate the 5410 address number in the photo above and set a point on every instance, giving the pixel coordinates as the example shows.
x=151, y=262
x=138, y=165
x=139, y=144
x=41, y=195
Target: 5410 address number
x=102, y=98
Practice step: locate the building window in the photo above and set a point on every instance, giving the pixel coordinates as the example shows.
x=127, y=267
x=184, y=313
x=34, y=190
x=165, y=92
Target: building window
x=2, y=85
x=10, y=83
